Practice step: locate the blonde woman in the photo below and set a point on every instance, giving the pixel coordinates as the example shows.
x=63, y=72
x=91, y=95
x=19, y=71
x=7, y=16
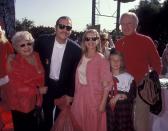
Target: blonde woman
x=92, y=84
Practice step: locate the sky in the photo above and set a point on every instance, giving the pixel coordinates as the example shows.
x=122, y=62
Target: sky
x=46, y=12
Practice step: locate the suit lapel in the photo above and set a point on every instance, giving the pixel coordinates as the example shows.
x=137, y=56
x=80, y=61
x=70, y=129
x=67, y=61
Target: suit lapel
x=50, y=48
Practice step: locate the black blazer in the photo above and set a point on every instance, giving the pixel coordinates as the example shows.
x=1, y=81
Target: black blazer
x=44, y=46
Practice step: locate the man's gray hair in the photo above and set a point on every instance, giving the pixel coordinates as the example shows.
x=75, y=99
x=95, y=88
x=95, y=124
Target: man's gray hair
x=133, y=15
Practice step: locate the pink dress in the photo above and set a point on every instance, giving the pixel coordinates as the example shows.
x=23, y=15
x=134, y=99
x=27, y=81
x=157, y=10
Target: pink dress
x=87, y=97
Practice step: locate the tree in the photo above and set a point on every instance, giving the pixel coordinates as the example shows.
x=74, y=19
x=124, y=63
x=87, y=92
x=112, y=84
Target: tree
x=39, y=30
x=25, y=24
x=28, y=25
x=147, y=13
x=163, y=27
x=152, y=21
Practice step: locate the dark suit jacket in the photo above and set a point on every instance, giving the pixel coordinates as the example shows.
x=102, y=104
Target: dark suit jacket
x=44, y=45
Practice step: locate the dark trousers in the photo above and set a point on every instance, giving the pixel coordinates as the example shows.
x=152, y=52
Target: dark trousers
x=54, y=92
x=24, y=121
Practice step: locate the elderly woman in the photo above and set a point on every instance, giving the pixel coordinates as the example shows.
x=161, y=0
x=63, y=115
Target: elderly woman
x=26, y=82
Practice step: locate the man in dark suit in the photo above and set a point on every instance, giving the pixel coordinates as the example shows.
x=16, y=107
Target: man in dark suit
x=59, y=56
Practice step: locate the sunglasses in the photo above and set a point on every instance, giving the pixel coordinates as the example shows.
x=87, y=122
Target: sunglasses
x=61, y=26
x=91, y=38
x=24, y=45
x=104, y=39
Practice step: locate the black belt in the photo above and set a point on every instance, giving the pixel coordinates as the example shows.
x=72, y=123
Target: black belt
x=54, y=88
x=53, y=80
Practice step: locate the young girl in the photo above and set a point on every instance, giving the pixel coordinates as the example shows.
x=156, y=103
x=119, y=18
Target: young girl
x=119, y=106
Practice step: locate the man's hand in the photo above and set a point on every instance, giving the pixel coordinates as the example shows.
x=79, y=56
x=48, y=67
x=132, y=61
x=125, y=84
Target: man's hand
x=69, y=99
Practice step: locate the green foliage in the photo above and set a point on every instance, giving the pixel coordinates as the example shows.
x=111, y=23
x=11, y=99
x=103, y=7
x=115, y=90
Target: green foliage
x=36, y=31
x=25, y=24
x=39, y=30
x=148, y=13
x=152, y=21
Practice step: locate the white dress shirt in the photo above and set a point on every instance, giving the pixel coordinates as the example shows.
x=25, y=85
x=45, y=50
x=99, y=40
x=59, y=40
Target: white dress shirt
x=82, y=71
x=56, y=59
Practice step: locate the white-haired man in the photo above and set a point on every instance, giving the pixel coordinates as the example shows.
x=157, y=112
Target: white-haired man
x=139, y=55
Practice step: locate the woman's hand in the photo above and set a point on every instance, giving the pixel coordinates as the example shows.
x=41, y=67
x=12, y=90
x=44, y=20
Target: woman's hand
x=113, y=101
x=43, y=90
x=117, y=97
x=69, y=99
x=10, y=58
x=108, y=83
x=102, y=107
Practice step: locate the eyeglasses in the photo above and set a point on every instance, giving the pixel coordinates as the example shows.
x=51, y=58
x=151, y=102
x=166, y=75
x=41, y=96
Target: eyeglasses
x=104, y=39
x=24, y=45
x=91, y=38
x=61, y=26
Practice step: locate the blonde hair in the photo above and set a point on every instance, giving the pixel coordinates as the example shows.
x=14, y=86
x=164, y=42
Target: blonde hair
x=22, y=36
x=104, y=35
x=93, y=31
x=3, y=38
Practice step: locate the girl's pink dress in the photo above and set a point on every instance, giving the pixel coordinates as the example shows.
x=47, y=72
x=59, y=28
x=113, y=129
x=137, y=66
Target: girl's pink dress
x=87, y=98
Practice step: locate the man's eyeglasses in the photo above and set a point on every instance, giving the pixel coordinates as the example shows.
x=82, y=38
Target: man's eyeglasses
x=91, y=38
x=24, y=45
x=61, y=26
